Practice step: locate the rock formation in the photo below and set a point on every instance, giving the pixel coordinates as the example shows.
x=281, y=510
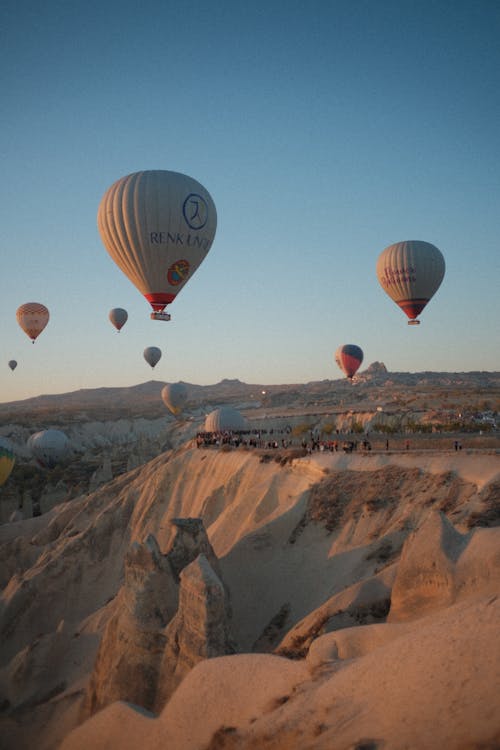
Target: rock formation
x=129, y=659
x=199, y=630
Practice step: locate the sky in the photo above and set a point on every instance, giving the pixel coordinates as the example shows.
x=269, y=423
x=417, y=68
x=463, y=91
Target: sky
x=324, y=132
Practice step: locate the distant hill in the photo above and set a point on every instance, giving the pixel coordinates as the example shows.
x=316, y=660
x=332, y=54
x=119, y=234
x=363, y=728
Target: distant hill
x=375, y=383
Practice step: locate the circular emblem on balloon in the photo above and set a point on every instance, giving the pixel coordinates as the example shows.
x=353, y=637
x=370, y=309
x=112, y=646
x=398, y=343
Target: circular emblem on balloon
x=195, y=211
x=178, y=272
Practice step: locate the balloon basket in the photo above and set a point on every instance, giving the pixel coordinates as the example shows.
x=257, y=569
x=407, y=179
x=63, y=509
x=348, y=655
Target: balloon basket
x=413, y=322
x=159, y=316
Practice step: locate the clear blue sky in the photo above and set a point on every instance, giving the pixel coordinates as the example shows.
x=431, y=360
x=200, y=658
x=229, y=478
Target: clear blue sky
x=324, y=131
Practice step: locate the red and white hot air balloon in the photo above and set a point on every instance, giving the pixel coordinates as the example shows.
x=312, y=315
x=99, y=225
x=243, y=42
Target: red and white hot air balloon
x=158, y=227
x=349, y=358
x=411, y=273
x=32, y=317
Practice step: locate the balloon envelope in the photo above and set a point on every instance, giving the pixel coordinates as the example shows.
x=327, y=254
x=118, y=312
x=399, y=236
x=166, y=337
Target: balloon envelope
x=174, y=397
x=12, y=364
x=411, y=273
x=32, y=317
x=118, y=317
x=349, y=358
x=225, y=419
x=7, y=459
x=158, y=227
x=152, y=355
x=49, y=447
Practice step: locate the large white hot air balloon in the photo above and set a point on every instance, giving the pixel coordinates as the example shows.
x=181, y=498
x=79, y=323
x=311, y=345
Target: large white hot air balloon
x=118, y=317
x=49, y=447
x=411, y=273
x=32, y=317
x=152, y=355
x=174, y=397
x=225, y=419
x=158, y=227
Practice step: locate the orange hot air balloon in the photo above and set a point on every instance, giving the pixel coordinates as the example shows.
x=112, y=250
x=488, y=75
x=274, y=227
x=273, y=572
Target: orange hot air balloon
x=32, y=317
x=158, y=227
x=411, y=273
x=349, y=358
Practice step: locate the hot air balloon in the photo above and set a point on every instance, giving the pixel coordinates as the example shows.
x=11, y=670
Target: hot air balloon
x=225, y=419
x=49, y=447
x=7, y=459
x=158, y=227
x=349, y=358
x=174, y=397
x=411, y=273
x=12, y=364
x=152, y=355
x=118, y=317
x=32, y=317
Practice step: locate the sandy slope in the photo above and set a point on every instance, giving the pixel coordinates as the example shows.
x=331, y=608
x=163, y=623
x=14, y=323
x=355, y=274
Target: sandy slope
x=290, y=538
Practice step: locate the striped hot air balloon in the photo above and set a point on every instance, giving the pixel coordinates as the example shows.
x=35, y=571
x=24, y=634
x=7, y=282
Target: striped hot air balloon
x=158, y=227
x=411, y=273
x=32, y=317
x=349, y=358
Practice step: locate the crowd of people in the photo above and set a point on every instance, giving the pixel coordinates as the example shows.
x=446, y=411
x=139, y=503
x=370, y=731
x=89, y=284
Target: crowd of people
x=275, y=439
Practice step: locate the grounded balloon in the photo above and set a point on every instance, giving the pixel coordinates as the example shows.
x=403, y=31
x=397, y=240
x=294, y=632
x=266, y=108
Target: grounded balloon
x=152, y=355
x=7, y=459
x=174, y=397
x=225, y=419
x=13, y=364
x=158, y=227
x=49, y=447
x=118, y=317
x=411, y=273
x=32, y=317
x=349, y=358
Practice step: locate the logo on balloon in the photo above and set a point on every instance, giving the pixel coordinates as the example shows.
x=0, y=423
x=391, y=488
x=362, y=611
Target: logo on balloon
x=195, y=211
x=178, y=272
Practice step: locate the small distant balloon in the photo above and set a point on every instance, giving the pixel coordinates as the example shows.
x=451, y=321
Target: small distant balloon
x=174, y=397
x=12, y=364
x=49, y=447
x=349, y=358
x=7, y=459
x=152, y=355
x=118, y=317
x=32, y=317
x=411, y=273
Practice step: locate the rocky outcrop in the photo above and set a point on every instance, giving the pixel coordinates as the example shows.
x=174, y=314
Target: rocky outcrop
x=131, y=654
x=199, y=630
x=190, y=541
x=440, y=566
x=126, y=666
x=101, y=475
